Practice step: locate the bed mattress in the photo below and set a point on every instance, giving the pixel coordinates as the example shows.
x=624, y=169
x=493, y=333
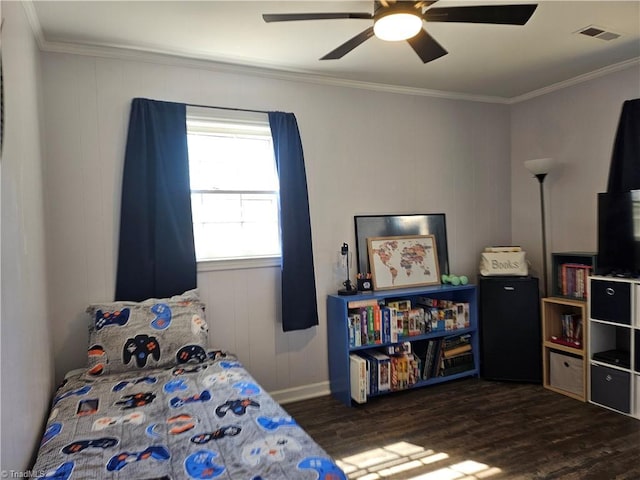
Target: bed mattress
x=193, y=421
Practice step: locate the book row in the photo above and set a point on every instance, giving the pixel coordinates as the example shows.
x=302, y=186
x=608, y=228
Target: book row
x=445, y=356
x=401, y=366
x=571, y=327
x=373, y=323
x=573, y=278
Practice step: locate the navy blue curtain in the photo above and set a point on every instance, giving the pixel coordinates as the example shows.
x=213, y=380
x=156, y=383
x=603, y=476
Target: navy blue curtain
x=156, y=256
x=299, y=304
x=624, y=172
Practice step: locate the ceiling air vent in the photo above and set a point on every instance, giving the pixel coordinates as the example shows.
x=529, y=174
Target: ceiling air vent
x=598, y=32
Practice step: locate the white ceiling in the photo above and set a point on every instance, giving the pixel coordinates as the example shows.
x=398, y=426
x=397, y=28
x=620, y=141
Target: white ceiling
x=501, y=61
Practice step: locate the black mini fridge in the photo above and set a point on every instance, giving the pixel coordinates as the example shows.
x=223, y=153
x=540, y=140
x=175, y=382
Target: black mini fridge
x=510, y=329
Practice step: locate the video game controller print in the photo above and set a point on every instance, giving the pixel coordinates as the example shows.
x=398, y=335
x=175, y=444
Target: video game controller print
x=200, y=465
x=136, y=400
x=63, y=472
x=238, y=406
x=97, y=354
x=272, y=448
x=188, y=369
x=121, y=385
x=215, y=354
x=191, y=353
x=135, y=417
x=325, y=468
x=121, y=460
x=181, y=423
x=224, y=431
x=141, y=347
x=96, y=351
x=221, y=378
x=230, y=364
x=80, y=391
x=53, y=415
x=198, y=325
x=80, y=445
x=177, y=402
x=50, y=433
x=163, y=316
x=273, y=423
x=176, y=385
x=247, y=388
x=174, y=425
x=104, y=319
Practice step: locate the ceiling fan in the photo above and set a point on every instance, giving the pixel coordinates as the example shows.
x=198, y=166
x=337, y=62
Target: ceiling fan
x=399, y=20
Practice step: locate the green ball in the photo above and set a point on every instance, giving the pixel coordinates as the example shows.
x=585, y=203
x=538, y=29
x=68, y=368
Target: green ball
x=445, y=278
x=454, y=280
x=463, y=280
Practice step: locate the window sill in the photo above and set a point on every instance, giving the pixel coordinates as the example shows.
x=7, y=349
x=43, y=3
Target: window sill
x=238, y=263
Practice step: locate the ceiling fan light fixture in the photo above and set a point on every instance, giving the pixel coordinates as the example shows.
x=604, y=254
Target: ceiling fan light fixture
x=395, y=26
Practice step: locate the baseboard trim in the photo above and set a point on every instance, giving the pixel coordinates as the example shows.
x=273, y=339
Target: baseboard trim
x=303, y=392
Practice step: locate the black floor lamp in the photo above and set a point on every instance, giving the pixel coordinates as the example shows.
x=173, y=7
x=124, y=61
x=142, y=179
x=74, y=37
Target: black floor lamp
x=540, y=167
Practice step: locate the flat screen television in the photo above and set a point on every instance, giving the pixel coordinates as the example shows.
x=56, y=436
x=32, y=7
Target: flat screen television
x=619, y=234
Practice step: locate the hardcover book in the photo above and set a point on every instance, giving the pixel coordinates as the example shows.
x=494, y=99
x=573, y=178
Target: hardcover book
x=358, y=377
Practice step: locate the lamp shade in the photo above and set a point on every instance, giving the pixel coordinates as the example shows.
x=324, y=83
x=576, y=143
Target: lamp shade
x=397, y=25
x=539, y=166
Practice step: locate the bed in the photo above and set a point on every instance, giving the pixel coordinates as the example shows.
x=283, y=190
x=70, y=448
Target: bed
x=155, y=404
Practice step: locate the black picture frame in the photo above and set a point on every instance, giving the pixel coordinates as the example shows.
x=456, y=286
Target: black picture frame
x=367, y=226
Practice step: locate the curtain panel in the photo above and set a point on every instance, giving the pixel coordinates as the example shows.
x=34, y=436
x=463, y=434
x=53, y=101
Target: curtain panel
x=299, y=303
x=156, y=257
x=624, y=172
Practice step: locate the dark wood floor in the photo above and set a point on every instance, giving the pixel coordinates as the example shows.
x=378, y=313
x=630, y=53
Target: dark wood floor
x=500, y=430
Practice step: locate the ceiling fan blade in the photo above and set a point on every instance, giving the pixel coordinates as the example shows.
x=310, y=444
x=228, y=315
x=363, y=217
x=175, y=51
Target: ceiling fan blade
x=497, y=14
x=349, y=45
x=427, y=48
x=290, y=17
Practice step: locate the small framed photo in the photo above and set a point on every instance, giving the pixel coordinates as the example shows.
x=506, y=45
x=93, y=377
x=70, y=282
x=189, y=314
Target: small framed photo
x=403, y=261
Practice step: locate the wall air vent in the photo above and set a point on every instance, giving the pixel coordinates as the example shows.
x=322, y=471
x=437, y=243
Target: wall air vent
x=598, y=32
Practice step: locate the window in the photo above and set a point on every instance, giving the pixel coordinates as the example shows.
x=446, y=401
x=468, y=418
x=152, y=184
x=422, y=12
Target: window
x=234, y=185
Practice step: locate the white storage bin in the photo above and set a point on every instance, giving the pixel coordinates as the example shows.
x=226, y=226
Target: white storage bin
x=566, y=373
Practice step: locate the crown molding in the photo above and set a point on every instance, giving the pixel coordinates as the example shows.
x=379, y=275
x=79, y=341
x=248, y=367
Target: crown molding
x=601, y=72
x=206, y=63
x=184, y=59
x=34, y=22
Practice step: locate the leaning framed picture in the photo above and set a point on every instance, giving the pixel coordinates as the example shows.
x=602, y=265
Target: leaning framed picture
x=403, y=261
x=402, y=224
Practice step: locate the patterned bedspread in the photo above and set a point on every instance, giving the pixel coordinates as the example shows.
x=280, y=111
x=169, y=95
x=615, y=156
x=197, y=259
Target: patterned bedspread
x=204, y=421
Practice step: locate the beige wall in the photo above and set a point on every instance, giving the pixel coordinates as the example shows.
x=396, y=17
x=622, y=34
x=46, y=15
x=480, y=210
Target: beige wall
x=27, y=363
x=366, y=152
x=576, y=126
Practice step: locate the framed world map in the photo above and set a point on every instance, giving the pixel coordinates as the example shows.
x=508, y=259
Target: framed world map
x=403, y=261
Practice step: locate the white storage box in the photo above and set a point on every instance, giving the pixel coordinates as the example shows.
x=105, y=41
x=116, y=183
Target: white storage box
x=503, y=263
x=566, y=373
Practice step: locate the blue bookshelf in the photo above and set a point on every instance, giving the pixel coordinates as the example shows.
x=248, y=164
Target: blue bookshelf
x=338, y=333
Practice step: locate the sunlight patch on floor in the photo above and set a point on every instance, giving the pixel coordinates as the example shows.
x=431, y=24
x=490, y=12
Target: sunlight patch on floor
x=385, y=462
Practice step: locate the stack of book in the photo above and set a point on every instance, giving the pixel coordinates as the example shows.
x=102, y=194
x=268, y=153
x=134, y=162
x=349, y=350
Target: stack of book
x=457, y=355
x=405, y=371
x=573, y=279
x=374, y=372
x=371, y=324
x=447, y=356
x=444, y=314
x=571, y=335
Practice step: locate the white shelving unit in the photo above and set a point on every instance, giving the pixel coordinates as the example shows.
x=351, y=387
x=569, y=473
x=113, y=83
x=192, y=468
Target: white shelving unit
x=614, y=344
